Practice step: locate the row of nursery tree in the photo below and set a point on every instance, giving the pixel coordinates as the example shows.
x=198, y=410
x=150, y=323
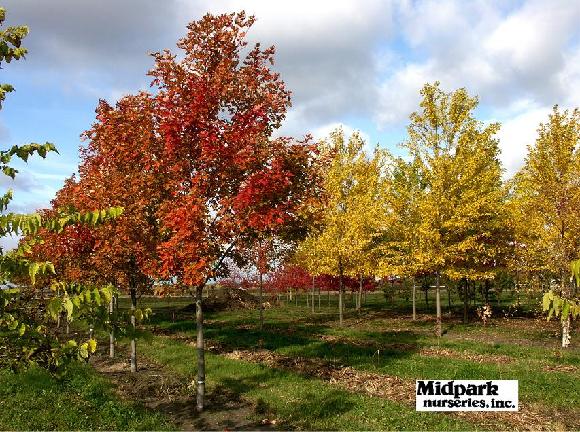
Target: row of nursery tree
x=176, y=184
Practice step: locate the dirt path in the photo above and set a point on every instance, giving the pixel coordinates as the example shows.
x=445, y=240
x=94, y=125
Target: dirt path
x=162, y=390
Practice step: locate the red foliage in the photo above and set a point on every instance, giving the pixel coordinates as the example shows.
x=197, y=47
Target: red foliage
x=118, y=168
x=229, y=180
x=289, y=277
x=193, y=165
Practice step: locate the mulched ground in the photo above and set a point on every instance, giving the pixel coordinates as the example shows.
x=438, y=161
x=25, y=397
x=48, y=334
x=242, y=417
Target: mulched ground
x=529, y=416
x=161, y=390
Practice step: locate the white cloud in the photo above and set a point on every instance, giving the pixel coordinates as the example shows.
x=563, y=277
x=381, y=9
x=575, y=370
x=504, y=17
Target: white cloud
x=323, y=132
x=9, y=242
x=325, y=51
x=342, y=59
x=502, y=55
x=518, y=132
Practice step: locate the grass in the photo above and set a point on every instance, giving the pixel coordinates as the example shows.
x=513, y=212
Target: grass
x=35, y=400
x=367, y=343
x=296, y=401
x=380, y=339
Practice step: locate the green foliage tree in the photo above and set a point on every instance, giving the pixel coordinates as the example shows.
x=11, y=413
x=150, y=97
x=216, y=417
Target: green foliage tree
x=21, y=323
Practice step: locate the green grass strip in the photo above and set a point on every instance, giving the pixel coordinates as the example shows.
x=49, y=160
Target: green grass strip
x=34, y=400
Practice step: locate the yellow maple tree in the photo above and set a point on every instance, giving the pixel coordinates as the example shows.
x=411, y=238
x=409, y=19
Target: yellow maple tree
x=462, y=230
x=545, y=205
x=350, y=218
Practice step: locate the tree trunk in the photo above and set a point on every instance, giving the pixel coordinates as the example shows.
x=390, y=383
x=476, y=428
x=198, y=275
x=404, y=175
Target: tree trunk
x=565, y=293
x=319, y=306
x=486, y=291
x=465, y=301
x=60, y=313
x=112, y=329
x=261, y=302
x=133, y=325
x=313, y=294
x=414, y=300
x=340, y=293
x=328, y=297
x=566, y=333
x=200, y=349
x=360, y=289
x=438, y=306
x=427, y=296
x=449, y=297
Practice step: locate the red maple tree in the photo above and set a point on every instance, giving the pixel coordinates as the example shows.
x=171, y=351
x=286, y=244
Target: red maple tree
x=230, y=180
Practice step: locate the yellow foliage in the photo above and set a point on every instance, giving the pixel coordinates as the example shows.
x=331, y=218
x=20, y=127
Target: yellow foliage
x=351, y=217
x=545, y=203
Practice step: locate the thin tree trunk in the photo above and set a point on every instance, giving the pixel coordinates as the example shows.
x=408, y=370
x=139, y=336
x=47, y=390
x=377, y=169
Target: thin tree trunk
x=566, y=332
x=486, y=291
x=360, y=288
x=449, y=297
x=319, y=306
x=261, y=302
x=438, y=306
x=200, y=349
x=112, y=329
x=565, y=292
x=465, y=301
x=60, y=313
x=133, y=325
x=427, y=297
x=340, y=293
x=328, y=297
x=313, y=294
x=414, y=300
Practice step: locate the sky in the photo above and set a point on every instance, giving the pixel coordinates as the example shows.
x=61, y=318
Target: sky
x=359, y=64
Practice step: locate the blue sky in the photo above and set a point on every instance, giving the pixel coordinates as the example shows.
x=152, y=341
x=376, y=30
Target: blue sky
x=356, y=63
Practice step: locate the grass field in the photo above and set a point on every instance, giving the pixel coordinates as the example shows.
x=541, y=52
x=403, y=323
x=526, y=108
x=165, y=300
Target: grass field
x=304, y=371
x=34, y=400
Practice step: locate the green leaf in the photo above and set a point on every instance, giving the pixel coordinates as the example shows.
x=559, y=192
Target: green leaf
x=54, y=307
x=546, y=302
x=92, y=346
x=32, y=271
x=12, y=325
x=138, y=314
x=87, y=294
x=84, y=350
x=68, y=307
x=95, y=217
x=565, y=310
x=107, y=293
